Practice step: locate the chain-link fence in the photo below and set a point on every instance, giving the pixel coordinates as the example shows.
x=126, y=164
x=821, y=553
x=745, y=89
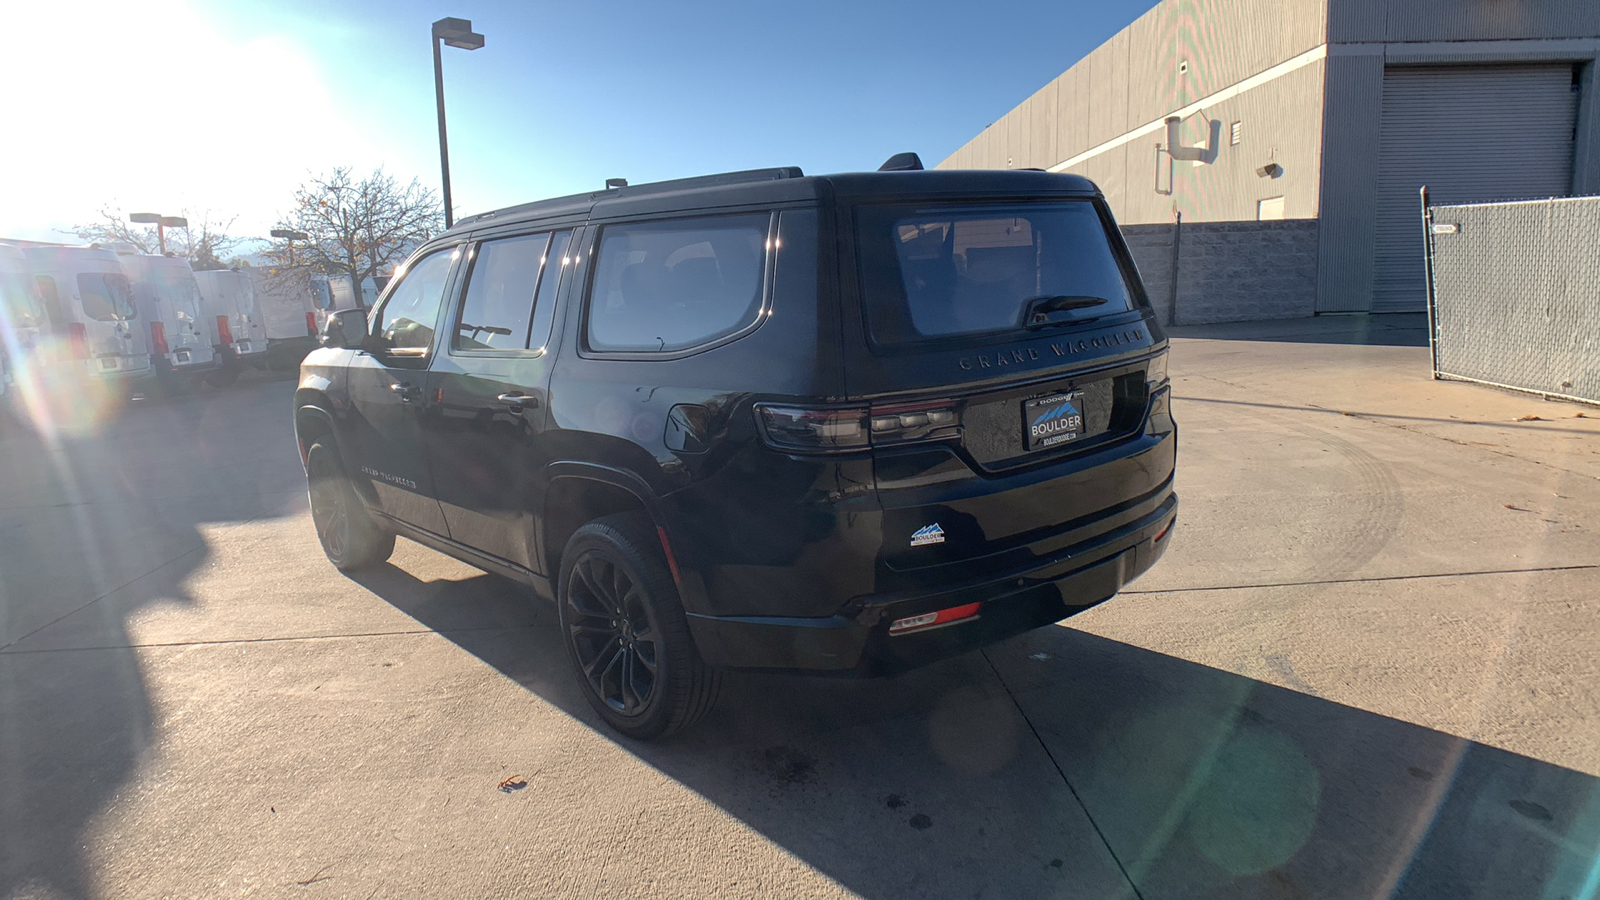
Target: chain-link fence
x=1514, y=294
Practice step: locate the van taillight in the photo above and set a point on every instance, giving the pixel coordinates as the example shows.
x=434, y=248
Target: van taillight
x=78, y=337
x=224, y=330
x=311, y=324
x=158, y=338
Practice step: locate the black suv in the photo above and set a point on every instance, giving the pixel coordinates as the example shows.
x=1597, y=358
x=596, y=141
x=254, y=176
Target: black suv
x=850, y=423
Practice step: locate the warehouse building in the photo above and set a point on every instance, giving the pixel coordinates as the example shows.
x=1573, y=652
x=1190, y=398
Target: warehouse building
x=1265, y=156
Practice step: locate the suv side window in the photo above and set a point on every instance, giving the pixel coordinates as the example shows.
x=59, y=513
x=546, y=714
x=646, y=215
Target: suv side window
x=405, y=320
x=679, y=284
x=510, y=291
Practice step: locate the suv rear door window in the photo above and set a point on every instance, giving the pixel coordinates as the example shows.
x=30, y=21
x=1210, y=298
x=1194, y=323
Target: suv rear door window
x=511, y=291
x=952, y=271
x=105, y=297
x=666, y=286
x=500, y=294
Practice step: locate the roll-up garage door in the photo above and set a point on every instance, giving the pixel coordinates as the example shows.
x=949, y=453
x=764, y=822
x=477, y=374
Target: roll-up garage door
x=1472, y=134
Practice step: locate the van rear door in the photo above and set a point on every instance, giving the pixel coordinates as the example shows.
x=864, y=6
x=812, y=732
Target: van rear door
x=1004, y=352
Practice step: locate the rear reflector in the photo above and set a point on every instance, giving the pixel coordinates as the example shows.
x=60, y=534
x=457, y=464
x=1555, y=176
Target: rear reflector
x=311, y=324
x=158, y=338
x=934, y=619
x=224, y=330
x=1163, y=532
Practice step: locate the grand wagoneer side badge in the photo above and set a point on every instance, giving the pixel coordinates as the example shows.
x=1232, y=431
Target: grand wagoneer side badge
x=930, y=534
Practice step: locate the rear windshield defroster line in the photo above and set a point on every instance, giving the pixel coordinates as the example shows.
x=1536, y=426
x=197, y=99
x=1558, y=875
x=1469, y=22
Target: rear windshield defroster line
x=936, y=273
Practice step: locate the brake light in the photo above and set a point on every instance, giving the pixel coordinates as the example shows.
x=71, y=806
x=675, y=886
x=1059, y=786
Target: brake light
x=1155, y=375
x=78, y=337
x=842, y=429
x=158, y=338
x=311, y=324
x=934, y=619
x=815, y=429
x=224, y=330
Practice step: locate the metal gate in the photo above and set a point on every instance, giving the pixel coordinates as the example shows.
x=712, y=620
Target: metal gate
x=1514, y=294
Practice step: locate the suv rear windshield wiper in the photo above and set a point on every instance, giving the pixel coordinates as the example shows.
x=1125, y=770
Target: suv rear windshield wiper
x=1036, y=310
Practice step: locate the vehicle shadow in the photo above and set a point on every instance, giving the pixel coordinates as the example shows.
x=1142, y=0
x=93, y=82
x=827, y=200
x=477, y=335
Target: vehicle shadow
x=966, y=777
x=94, y=528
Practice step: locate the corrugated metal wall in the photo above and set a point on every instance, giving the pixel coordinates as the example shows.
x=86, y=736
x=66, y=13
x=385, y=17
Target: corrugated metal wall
x=1379, y=21
x=1321, y=123
x=1471, y=134
x=1351, y=124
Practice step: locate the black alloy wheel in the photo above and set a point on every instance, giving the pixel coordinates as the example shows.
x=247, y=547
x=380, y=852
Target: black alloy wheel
x=349, y=537
x=626, y=632
x=616, y=647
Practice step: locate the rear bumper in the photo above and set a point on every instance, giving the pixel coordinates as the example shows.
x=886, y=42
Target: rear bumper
x=857, y=641
x=166, y=365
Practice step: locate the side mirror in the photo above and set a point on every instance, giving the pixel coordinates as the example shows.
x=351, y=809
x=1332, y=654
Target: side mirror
x=345, y=328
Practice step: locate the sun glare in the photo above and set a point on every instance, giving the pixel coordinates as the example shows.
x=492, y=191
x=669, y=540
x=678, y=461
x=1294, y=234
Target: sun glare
x=152, y=104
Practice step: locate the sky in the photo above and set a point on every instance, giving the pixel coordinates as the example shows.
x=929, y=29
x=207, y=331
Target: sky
x=220, y=109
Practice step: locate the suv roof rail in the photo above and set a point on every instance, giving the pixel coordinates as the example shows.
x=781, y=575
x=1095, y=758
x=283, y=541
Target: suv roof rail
x=720, y=179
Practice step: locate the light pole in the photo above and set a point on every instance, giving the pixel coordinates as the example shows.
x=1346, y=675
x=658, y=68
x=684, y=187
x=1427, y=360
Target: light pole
x=456, y=33
x=291, y=236
x=162, y=223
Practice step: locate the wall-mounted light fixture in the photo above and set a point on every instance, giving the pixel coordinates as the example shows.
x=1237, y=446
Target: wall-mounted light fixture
x=1270, y=170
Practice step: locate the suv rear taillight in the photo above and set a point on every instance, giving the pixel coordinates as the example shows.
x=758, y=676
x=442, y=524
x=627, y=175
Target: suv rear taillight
x=158, y=338
x=78, y=337
x=224, y=330
x=1155, y=375
x=814, y=429
x=836, y=429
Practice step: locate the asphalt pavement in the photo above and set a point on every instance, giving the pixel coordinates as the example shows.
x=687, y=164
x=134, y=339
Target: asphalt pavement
x=1366, y=668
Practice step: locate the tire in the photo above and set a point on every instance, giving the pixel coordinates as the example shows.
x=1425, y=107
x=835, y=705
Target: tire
x=615, y=588
x=349, y=536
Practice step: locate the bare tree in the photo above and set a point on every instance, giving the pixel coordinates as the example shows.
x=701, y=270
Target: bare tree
x=206, y=243
x=360, y=227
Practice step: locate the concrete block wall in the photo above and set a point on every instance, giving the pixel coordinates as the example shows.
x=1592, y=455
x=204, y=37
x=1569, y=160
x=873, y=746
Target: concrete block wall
x=1228, y=271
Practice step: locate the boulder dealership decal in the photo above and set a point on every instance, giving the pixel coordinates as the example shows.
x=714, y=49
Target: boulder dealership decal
x=930, y=534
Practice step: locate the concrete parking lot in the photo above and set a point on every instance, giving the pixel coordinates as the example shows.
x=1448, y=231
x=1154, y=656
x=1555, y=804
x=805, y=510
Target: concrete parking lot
x=1366, y=668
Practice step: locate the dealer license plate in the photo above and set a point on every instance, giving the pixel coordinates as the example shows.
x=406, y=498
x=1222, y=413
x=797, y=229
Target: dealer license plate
x=1052, y=421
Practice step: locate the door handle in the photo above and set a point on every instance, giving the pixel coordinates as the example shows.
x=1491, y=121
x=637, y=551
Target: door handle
x=405, y=390
x=515, y=400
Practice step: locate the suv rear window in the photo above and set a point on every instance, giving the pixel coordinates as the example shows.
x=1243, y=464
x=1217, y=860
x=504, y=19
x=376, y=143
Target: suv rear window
x=665, y=286
x=938, y=272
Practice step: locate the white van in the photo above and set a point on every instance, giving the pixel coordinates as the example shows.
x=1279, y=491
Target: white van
x=21, y=318
x=290, y=302
x=90, y=313
x=168, y=298
x=229, y=301
x=345, y=298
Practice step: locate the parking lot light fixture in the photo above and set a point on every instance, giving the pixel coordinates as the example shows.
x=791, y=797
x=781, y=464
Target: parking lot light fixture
x=456, y=33
x=162, y=223
x=290, y=235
